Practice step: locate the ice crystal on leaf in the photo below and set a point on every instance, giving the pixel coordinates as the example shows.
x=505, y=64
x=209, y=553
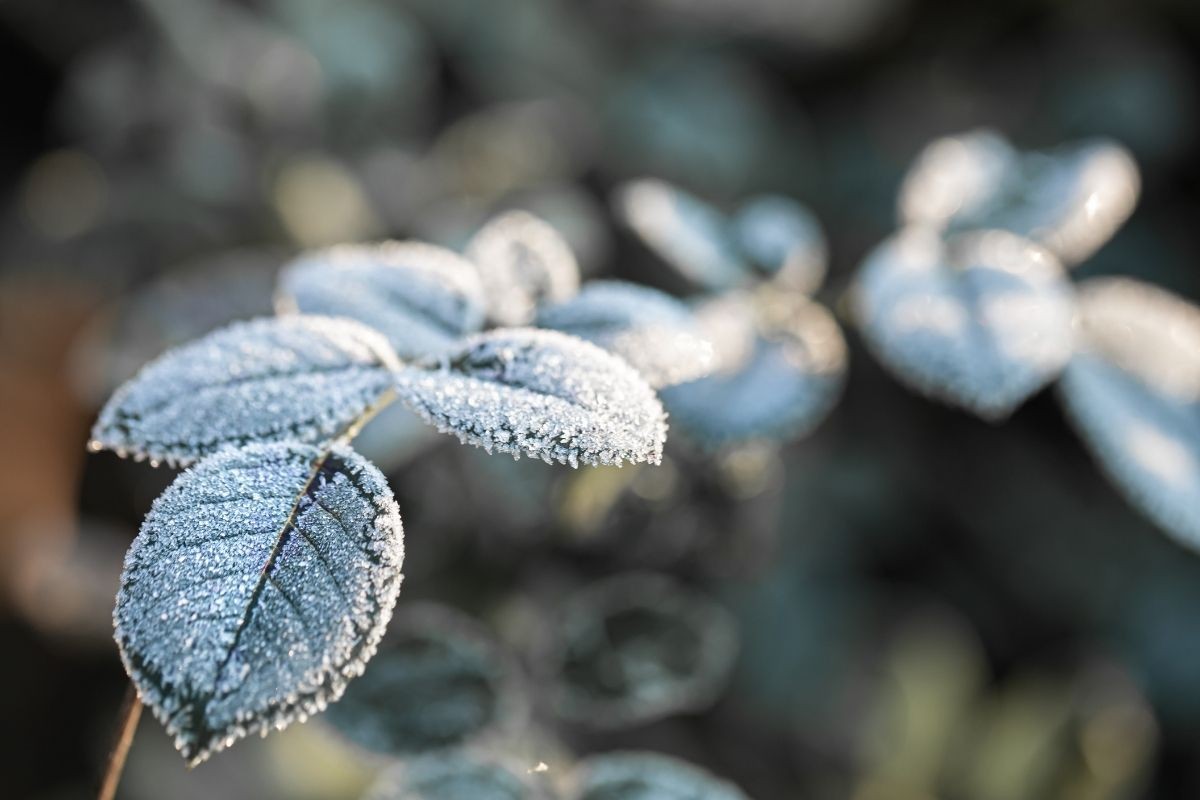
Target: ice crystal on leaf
x=782, y=239
x=653, y=331
x=539, y=393
x=260, y=584
x=421, y=297
x=438, y=682
x=299, y=378
x=523, y=262
x=1133, y=392
x=457, y=775
x=646, y=776
x=981, y=321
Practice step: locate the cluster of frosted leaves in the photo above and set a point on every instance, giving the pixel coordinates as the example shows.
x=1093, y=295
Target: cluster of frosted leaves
x=691, y=236
x=1133, y=392
x=540, y=393
x=636, y=648
x=1070, y=200
x=781, y=366
x=980, y=321
x=261, y=582
x=782, y=238
x=456, y=775
x=437, y=682
x=646, y=776
x=523, y=262
x=653, y=331
x=420, y=296
x=301, y=378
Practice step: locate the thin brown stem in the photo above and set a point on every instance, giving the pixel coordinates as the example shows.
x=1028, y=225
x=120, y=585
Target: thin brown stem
x=131, y=712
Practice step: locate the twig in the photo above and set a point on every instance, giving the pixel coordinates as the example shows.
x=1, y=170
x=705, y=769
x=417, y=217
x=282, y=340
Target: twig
x=131, y=712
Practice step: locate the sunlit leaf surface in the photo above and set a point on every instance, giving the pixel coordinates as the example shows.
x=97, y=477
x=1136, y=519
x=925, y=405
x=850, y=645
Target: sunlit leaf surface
x=261, y=582
x=420, y=296
x=290, y=378
x=439, y=681
x=646, y=776
x=784, y=240
x=540, y=393
x=458, y=775
x=636, y=648
x=523, y=262
x=980, y=322
x=653, y=331
x=1133, y=392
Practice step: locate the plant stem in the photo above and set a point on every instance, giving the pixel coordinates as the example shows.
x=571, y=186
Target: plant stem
x=131, y=712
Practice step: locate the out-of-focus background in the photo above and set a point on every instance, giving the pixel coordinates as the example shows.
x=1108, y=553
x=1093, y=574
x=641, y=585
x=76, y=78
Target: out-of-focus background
x=928, y=605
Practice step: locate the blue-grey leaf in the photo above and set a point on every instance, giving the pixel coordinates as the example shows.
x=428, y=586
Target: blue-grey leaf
x=692, y=237
x=781, y=365
x=539, y=393
x=261, y=582
x=783, y=239
x=646, y=776
x=1070, y=200
x=523, y=262
x=653, y=331
x=301, y=378
x=636, y=648
x=439, y=681
x=456, y=775
x=980, y=321
x=420, y=296
x=1133, y=392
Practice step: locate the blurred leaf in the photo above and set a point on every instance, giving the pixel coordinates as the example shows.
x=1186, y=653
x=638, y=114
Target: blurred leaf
x=784, y=240
x=646, y=776
x=457, y=775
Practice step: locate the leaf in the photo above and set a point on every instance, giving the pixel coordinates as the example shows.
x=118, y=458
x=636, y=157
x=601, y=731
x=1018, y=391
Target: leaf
x=981, y=321
x=1133, y=393
x=636, y=648
x=290, y=378
x=422, y=297
x=439, y=681
x=781, y=365
x=523, y=262
x=691, y=236
x=540, y=393
x=260, y=583
x=651, y=330
x=1070, y=200
x=783, y=239
x=646, y=776
x=457, y=775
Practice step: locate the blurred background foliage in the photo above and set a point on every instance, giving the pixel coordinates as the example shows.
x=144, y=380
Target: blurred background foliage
x=907, y=603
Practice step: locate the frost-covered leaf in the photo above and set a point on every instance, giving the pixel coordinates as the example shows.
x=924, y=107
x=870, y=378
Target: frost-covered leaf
x=289, y=378
x=540, y=393
x=781, y=364
x=261, y=582
x=653, y=331
x=783, y=239
x=691, y=236
x=457, y=775
x=438, y=682
x=646, y=776
x=523, y=262
x=1070, y=200
x=981, y=321
x=420, y=296
x=1133, y=392
x=635, y=648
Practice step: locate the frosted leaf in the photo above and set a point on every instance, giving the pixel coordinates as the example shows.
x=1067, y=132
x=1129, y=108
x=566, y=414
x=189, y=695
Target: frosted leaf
x=289, y=378
x=1070, y=200
x=260, y=584
x=783, y=239
x=651, y=330
x=420, y=296
x=1132, y=391
x=523, y=262
x=687, y=233
x=540, y=393
x=457, y=775
x=781, y=365
x=636, y=648
x=646, y=776
x=980, y=322
x=439, y=681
